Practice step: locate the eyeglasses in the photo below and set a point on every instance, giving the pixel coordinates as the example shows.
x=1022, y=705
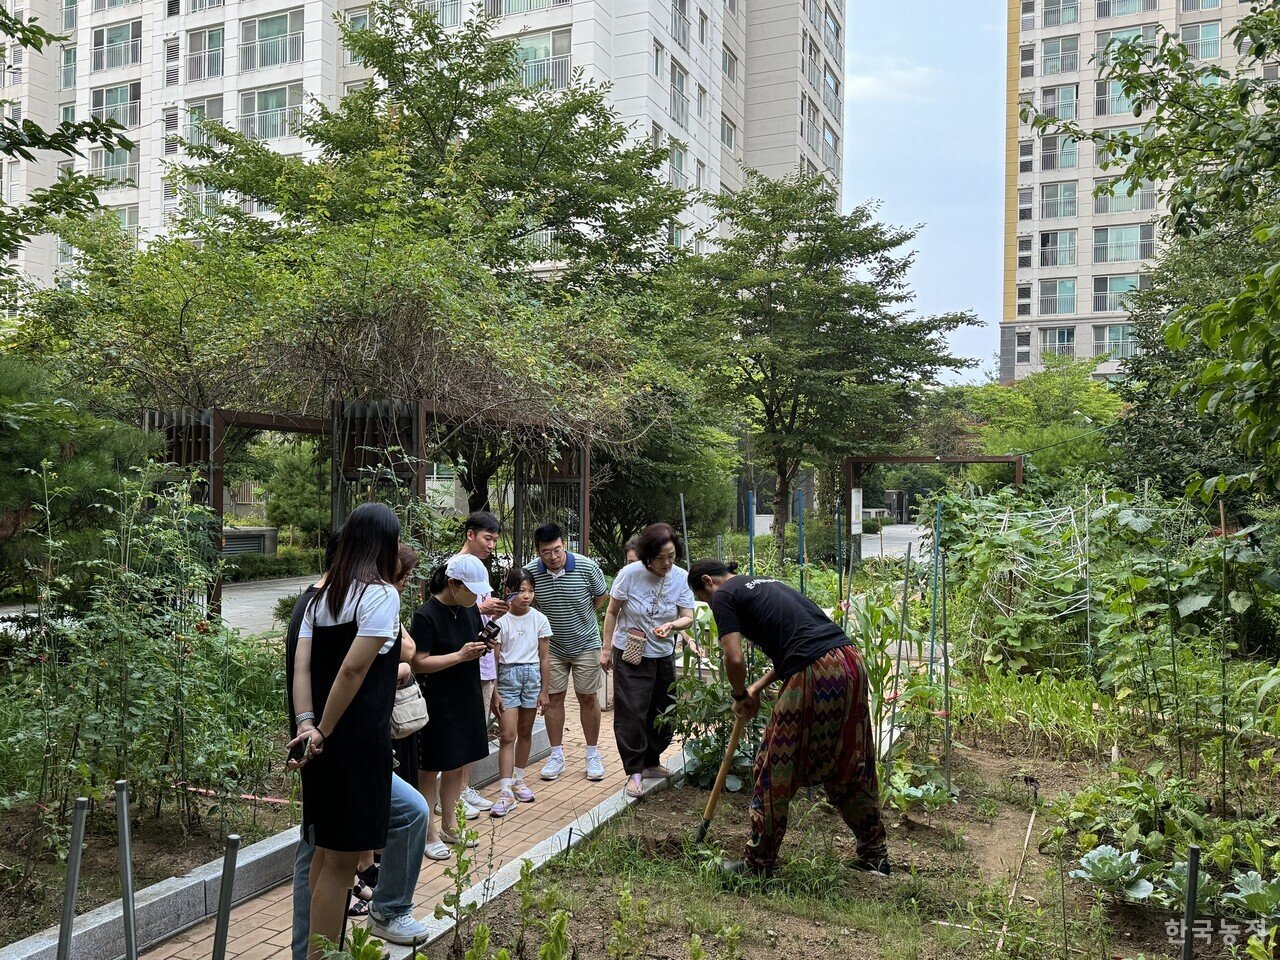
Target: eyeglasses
x=551, y=552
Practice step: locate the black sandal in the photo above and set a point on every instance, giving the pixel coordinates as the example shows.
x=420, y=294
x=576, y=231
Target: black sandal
x=359, y=905
x=369, y=875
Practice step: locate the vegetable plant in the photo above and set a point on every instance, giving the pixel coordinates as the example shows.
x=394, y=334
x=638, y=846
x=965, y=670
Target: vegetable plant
x=1118, y=874
x=1254, y=895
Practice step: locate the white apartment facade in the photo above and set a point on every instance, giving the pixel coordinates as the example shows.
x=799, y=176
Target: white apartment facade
x=1070, y=258
x=726, y=84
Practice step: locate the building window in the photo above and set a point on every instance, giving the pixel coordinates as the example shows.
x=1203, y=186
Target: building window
x=67, y=113
x=271, y=41
x=731, y=6
x=448, y=13
x=128, y=219
x=1203, y=40
x=658, y=59
x=729, y=64
x=1057, y=200
x=1024, y=253
x=1122, y=8
x=1115, y=341
x=204, y=54
x=702, y=101
x=1026, y=163
x=118, y=46
x=1024, y=299
x=1027, y=61
x=199, y=111
x=171, y=141
x=1058, y=248
x=123, y=104
x=700, y=175
x=1060, y=101
x=67, y=76
x=728, y=133
x=172, y=61
x=679, y=97
x=680, y=23
x=704, y=28
x=1058, y=152
x=1115, y=196
x=119, y=168
x=1195, y=6
x=1106, y=38
x=544, y=59
x=1061, y=55
x=16, y=56
x=831, y=91
x=830, y=148
x=655, y=135
x=1120, y=244
x=1022, y=343
x=1110, y=99
x=1028, y=15
x=676, y=163
x=271, y=114
x=1058, y=12
x=1026, y=199
x=1109, y=293
x=1059, y=340
x=1057, y=297
x=356, y=20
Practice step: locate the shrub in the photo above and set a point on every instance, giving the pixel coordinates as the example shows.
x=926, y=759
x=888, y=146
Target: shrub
x=286, y=562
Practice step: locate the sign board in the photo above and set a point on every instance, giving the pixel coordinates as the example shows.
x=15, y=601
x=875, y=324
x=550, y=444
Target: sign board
x=855, y=511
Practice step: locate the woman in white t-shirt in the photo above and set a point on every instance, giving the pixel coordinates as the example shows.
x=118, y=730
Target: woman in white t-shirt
x=344, y=680
x=649, y=604
x=524, y=652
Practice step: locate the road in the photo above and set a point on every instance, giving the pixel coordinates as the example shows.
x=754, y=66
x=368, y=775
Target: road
x=251, y=606
x=896, y=538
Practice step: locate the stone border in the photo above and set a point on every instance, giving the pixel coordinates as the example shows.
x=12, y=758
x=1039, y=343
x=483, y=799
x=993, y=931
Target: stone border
x=559, y=842
x=165, y=909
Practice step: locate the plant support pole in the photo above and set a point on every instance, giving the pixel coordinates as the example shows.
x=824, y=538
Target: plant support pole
x=73, y=878
x=800, y=534
x=946, y=680
x=1189, y=907
x=126, y=870
x=1173, y=658
x=844, y=614
x=933, y=602
x=902, y=628
x=1222, y=690
x=225, y=894
x=751, y=533
x=684, y=529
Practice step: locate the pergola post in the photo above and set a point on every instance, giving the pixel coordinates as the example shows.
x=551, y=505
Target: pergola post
x=584, y=498
x=217, y=482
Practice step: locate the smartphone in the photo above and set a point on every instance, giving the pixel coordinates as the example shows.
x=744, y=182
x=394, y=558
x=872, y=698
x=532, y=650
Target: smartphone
x=298, y=751
x=489, y=634
x=511, y=596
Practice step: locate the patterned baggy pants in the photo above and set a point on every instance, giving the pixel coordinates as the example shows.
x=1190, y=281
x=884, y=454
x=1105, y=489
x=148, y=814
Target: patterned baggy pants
x=820, y=733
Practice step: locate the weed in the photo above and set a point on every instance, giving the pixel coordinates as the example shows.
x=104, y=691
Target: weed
x=630, y=930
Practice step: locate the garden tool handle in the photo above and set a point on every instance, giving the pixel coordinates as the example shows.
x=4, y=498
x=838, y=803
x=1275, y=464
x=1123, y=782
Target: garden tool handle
x=718, y=786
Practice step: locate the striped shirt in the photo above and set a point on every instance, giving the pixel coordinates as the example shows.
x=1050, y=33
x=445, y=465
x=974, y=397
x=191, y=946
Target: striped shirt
x=568, y=601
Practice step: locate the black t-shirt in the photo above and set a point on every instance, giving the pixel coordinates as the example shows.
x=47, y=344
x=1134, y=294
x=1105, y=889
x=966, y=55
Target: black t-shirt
x=790, y=628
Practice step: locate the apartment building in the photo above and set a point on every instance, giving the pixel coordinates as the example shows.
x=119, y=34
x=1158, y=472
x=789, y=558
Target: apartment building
x=1070, y=258
x=725, y=84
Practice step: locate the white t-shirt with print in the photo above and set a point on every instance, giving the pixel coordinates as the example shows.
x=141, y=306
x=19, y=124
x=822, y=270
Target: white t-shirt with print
x=377, y=613
x=520, y=635
x=649, y=601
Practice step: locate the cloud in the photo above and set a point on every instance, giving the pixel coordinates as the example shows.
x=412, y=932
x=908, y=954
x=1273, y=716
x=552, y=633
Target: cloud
x=884, y=78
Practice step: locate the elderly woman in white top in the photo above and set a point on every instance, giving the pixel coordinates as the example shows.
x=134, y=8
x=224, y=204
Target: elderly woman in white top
x=649, y=604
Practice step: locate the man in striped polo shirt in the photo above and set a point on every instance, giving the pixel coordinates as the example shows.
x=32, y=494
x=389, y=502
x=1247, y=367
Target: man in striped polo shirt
x=569, y=588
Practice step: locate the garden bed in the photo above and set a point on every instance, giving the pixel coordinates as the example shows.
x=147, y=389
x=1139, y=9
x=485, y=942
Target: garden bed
x=948, y=896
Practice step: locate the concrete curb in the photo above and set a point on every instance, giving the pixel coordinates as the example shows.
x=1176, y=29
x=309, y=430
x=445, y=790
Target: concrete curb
x=165, y=909
x=563, y=840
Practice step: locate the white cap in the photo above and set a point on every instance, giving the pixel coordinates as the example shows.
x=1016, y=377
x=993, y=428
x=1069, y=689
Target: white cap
x=472, y=573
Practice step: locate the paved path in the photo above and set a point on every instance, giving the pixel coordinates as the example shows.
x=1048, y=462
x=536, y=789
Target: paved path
x=260, y=928
x=251, y=606
x=895, y=540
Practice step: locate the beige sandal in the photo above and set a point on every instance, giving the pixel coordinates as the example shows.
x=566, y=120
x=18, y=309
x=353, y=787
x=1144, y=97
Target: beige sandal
x=635, y=786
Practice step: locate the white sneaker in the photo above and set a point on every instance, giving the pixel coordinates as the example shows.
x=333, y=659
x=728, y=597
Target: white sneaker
x=471, y=811
x=554, y=767
x=595, y=767
x=403, y=930
x=473, y=799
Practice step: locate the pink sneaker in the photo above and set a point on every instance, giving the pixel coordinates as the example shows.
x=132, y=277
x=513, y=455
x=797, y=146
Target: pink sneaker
x=522, y=792
x=503, y=805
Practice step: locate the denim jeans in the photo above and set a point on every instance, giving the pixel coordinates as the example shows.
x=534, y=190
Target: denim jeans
x=397, y=877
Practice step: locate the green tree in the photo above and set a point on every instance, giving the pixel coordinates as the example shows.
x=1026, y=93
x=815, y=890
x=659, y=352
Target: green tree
x=298, y=491
x=800, y=323
x=27, y=140
x=1210, y=139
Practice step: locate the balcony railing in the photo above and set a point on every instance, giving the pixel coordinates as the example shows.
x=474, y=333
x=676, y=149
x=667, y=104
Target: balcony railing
x=195, y=6
x=271, y=52
x=680, y=27
x=1120, y=251
x=813, y=137
x=1063, y=13
x=196, y=135
x=552, y=71
x=1110, y=302
x=1060, y=207
x=815, y=12
x=448, y=13
x=680, y=107
x=122, y=54
x=125, y=114
x=1060, y=63
x=544, y=245
x=829, y=156
x=1057, y=304
x=100, y=5
x=67, y=76
x=676, y=177
x=833, y=102
x=507, y=8
x=1121, y=8
x=1116, y=349
x=1059, y=349
x=1208, y=48
x=69, y=17
x=1059, y=159
x=1144, y=199
x=1112, y=105
x=813, y=70
x=1060, y=110
x=117, y=176
x=1060, y=256
x=271, y=124
x=202, y=66
x=832, y=40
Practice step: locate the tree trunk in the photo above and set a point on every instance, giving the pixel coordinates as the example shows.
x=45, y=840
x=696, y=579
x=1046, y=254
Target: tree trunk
x=781, y=508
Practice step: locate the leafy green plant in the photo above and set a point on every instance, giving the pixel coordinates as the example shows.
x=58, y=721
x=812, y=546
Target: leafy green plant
x=1172, y=891
x=1118, y=874
x=555, y=944
x=479, y=949
x=1254, y=895
x=454, y=904
x=629, y=931
x=360, y=944
x=915, y=786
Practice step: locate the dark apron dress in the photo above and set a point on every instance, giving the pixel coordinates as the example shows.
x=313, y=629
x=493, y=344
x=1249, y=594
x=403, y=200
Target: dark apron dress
x=346, y=790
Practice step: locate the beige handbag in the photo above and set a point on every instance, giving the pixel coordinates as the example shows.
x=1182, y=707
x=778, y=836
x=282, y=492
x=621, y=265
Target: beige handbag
x=409, y=715
x=633, y=652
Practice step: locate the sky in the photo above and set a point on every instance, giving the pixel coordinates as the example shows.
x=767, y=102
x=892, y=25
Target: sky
x=924, y=136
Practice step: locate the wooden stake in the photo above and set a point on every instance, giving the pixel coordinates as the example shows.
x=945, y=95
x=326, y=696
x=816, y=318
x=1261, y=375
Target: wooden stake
x=1013, y=890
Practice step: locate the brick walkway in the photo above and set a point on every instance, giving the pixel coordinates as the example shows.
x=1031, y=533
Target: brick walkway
x=260, y=928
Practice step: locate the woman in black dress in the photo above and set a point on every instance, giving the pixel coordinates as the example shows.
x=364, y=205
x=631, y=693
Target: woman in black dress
x=343, y=689
x=445, y=631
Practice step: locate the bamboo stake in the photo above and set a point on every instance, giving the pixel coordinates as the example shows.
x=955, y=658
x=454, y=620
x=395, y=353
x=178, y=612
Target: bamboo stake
x=946, y=680
x=1222, y=690
x=1013, y=890
x=902, y=626
x=1173, y=654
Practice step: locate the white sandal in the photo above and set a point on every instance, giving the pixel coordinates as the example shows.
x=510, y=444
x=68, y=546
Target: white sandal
x=453, y=841
x=635, y=786
x=437, y=851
